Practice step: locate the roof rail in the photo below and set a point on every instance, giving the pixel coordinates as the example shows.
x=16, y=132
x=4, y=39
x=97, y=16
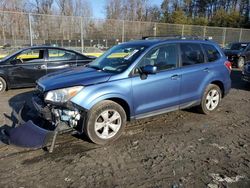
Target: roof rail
x=167, y=37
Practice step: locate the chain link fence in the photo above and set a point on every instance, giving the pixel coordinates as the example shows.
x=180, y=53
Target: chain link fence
x=89, y=34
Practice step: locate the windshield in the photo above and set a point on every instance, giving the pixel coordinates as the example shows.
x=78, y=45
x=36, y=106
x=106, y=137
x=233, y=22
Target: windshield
x=236, y=46
x=118, y=58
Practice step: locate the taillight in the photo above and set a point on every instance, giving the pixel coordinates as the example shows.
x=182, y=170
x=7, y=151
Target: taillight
x=228, y=64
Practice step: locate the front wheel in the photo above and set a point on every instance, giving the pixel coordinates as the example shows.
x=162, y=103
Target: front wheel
x=105, y=122
x=211, y=99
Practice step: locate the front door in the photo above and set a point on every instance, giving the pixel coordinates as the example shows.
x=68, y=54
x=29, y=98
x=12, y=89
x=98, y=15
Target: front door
x=31, y=68
x=158, y=92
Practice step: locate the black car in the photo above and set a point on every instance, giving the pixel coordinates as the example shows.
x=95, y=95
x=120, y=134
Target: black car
x=238, y=53
x=25, y=66
x=246, y=72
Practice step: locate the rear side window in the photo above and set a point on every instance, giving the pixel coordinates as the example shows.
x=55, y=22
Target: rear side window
x=191, y=54
x=211, y=52
x=61, y=55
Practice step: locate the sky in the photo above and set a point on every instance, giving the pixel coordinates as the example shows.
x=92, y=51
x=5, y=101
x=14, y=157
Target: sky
x=98, y=7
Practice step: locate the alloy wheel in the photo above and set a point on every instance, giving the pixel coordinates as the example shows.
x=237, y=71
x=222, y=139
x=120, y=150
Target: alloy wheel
x=107, y=124
x=212, y=99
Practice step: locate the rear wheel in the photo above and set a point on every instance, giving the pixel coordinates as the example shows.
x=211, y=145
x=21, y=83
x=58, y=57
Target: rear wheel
x=211, y=99
x=105, y=122
x=3, y=85
x=241, y=62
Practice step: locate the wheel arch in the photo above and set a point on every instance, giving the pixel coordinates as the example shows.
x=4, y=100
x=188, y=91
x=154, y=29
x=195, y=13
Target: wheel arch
x=220, y=85
x=123, y=104
x=87, y=103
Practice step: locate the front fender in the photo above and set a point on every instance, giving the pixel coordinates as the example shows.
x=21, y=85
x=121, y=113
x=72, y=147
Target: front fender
x=91, y=95
x=108, y=96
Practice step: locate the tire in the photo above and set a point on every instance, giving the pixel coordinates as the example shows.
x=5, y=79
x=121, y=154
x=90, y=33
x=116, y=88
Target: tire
x=99, y=126
x=3, y=85
x=240, y=62
x=209, y=104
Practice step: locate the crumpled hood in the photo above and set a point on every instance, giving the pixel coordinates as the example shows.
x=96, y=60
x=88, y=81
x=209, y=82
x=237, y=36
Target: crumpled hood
x=231, y=52
x=73, y=77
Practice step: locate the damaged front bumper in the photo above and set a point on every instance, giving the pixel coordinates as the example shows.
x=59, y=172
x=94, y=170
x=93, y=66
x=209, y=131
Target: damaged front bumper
x=67, y=113
x=59, y=118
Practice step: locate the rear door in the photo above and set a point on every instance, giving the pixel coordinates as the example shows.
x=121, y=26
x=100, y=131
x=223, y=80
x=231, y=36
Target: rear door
x=194, y=71
x=33, y=67
x=58, y=59
x=158, y=92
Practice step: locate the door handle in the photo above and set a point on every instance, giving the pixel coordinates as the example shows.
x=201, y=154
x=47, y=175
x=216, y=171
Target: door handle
x=41, y=67
x=175, y=77
x=206, y=70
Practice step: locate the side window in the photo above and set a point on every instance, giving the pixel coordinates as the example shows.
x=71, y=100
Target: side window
x=31, y=55
x=191, y=54
x=61, y=55
x=211, y=52
x=164, y=57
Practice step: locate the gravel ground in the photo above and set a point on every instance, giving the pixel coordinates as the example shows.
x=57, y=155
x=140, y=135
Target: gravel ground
x=178, y=149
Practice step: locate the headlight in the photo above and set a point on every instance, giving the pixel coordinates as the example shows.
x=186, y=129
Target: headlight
x=62, y=95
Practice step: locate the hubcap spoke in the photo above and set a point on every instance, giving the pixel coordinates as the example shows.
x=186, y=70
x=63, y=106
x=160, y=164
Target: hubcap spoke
x=105, y=115
x=208, y=104
x=99, y=125
x=213, y=93
x=114, y=117
x=105, y=132
x=113, y=127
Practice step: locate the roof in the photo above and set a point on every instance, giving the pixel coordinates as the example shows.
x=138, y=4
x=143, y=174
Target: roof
x=50, y=47
x=152, y=42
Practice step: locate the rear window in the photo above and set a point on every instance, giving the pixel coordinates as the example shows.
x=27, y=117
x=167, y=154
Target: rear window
x=211, y=52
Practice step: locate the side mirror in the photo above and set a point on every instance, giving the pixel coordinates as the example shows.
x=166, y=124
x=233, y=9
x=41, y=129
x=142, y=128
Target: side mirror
x=16, y=61
x=149, y=69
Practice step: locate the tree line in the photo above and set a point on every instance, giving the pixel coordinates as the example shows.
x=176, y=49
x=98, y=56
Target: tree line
x=222, y=13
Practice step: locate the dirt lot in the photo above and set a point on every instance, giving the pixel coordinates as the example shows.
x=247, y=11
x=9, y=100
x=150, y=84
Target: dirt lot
x=178, y=149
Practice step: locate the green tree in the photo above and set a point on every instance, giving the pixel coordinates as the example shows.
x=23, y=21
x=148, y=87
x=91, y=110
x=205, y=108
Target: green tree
x=219, y=18
x=200, y=21
x=179, y=17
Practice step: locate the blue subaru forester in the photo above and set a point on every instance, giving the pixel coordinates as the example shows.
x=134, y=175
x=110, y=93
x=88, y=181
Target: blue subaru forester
x=134, y=80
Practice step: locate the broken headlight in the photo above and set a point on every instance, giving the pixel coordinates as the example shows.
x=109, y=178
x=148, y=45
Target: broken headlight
x=62, y=95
